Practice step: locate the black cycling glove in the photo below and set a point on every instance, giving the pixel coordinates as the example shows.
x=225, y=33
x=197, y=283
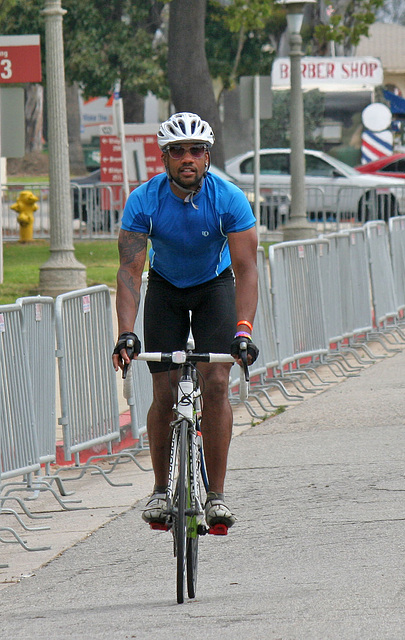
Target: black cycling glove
x=252, y=350
x=124, y=342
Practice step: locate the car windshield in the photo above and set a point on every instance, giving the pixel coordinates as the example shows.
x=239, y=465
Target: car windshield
x=345, y=168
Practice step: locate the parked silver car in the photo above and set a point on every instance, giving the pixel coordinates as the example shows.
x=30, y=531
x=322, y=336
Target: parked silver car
x=332, y=187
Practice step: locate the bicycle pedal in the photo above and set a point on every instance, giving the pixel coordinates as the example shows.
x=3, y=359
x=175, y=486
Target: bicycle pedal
x=159, y=526
x=218, y=530
x=202, y=530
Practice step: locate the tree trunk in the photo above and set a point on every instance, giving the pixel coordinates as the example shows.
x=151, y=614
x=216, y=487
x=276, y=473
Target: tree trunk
x=76, y=158
x=134, y=106
x=34, y=102
x=189, y=77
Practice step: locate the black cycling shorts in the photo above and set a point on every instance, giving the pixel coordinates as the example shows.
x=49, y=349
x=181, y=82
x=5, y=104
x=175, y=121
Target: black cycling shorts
x=167, y=318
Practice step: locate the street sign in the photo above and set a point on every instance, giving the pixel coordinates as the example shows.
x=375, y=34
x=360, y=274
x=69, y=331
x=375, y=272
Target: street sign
x=330, y=74
x=20, y=59
x=12, y=122
x=247, y=97
x=142, y=158
x=143, y=154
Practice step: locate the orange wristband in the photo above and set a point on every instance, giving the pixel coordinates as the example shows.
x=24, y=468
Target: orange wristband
x=246, y=323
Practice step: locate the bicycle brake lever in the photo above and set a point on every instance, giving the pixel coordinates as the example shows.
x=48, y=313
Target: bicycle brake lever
x=243, y=357
x=129, y=347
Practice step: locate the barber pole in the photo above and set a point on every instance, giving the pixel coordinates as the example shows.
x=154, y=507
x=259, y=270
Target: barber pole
x=377, y=138
x=375, y=145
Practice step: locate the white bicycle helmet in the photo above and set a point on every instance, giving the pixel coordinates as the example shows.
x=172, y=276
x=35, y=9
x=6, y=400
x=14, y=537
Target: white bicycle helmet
x=185, y=127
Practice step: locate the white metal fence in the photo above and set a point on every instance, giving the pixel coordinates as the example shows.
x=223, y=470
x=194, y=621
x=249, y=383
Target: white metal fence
x=97, y=207
x=88, y=388
x=317, y=298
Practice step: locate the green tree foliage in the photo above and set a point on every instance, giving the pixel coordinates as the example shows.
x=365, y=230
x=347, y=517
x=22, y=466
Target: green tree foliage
x=242, y=38
x=109, y=39
x=104, y=40
x=348, y=22
x=115, y=39
x=275, y=132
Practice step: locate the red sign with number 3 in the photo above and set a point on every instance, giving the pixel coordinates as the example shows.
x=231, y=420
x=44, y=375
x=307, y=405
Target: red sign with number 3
x=20, y=59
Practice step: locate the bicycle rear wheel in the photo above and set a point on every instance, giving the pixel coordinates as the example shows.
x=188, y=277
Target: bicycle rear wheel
x=180, y=520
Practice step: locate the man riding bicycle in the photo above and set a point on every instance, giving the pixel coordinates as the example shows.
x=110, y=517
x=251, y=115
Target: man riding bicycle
x=202, y=276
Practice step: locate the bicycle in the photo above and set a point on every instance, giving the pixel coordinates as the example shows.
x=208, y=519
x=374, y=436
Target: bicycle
x=187, y=473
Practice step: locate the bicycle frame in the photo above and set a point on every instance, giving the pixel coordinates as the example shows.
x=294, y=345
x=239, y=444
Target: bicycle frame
x=186, y=411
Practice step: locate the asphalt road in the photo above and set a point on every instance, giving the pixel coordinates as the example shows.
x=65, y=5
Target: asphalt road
x=317, y=552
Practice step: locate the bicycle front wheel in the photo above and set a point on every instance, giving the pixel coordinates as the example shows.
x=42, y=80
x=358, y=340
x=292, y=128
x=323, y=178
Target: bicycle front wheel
x=180, y=521
x=192, y=565
x=193, y=521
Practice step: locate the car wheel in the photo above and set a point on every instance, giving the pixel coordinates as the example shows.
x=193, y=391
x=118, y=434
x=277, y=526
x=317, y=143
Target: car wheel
x=367, y=209
x=374, y=206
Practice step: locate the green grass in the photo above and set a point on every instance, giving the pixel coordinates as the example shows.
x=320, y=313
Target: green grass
x=27, y=179
x=21, y=263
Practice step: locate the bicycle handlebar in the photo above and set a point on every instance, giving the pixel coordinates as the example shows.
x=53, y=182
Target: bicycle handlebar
x=179, y=357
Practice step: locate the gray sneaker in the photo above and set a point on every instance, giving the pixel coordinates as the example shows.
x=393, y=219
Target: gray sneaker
x=216, y=511
x=155, y=509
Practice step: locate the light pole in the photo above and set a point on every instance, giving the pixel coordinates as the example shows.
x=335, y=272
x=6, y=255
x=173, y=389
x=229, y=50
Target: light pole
x=62, y=272
x=297, y=227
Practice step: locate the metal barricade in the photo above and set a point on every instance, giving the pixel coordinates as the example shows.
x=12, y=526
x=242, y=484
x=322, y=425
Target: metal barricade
x=88, y=388
x=361, y=204
x=11, y=228
x=264, y=323
x=96, y=212
x=39, y=334
x=18, y=437
x=138, y=384
x=315, y=205
x=275, y=207
x=263, y=336
x=381, y=275
x=341, y=308
x=356, y=293
x=332, y=288
x=298, y=300
x=97, y=206
x=397, y=244
x=263, y=371
x=346, y=287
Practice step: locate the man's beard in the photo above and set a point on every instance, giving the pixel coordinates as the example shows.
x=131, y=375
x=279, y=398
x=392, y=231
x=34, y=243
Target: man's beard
x=192, y=186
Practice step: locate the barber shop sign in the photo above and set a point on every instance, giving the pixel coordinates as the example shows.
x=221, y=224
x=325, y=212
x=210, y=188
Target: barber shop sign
x=318, y=72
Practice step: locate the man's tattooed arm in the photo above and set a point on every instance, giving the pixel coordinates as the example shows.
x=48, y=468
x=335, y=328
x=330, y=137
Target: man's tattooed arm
x=132, y=250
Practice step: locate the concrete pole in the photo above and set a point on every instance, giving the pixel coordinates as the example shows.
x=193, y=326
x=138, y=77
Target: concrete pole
x=1, y=213
x=297, y=228
x=62, y=272
x=256, y=120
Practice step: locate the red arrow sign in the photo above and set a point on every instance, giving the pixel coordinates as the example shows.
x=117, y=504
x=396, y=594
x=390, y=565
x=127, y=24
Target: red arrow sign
x=20, y=59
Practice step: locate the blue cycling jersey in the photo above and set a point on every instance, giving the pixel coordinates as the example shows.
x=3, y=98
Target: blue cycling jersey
x=189, y=246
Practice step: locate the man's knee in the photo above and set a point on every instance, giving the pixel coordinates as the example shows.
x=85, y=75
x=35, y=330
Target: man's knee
x=216, y=386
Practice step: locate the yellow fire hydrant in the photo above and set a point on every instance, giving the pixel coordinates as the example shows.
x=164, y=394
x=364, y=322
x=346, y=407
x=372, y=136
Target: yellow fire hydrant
x=25, y=206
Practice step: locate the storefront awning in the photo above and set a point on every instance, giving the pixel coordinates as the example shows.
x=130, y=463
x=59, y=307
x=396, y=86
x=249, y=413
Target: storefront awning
x=397, y=105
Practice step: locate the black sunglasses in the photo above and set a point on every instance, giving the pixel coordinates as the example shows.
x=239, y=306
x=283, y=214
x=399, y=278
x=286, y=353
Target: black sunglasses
x=176, y=152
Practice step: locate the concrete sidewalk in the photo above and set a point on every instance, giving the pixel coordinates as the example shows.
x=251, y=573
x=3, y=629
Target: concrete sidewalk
x=366, y=406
